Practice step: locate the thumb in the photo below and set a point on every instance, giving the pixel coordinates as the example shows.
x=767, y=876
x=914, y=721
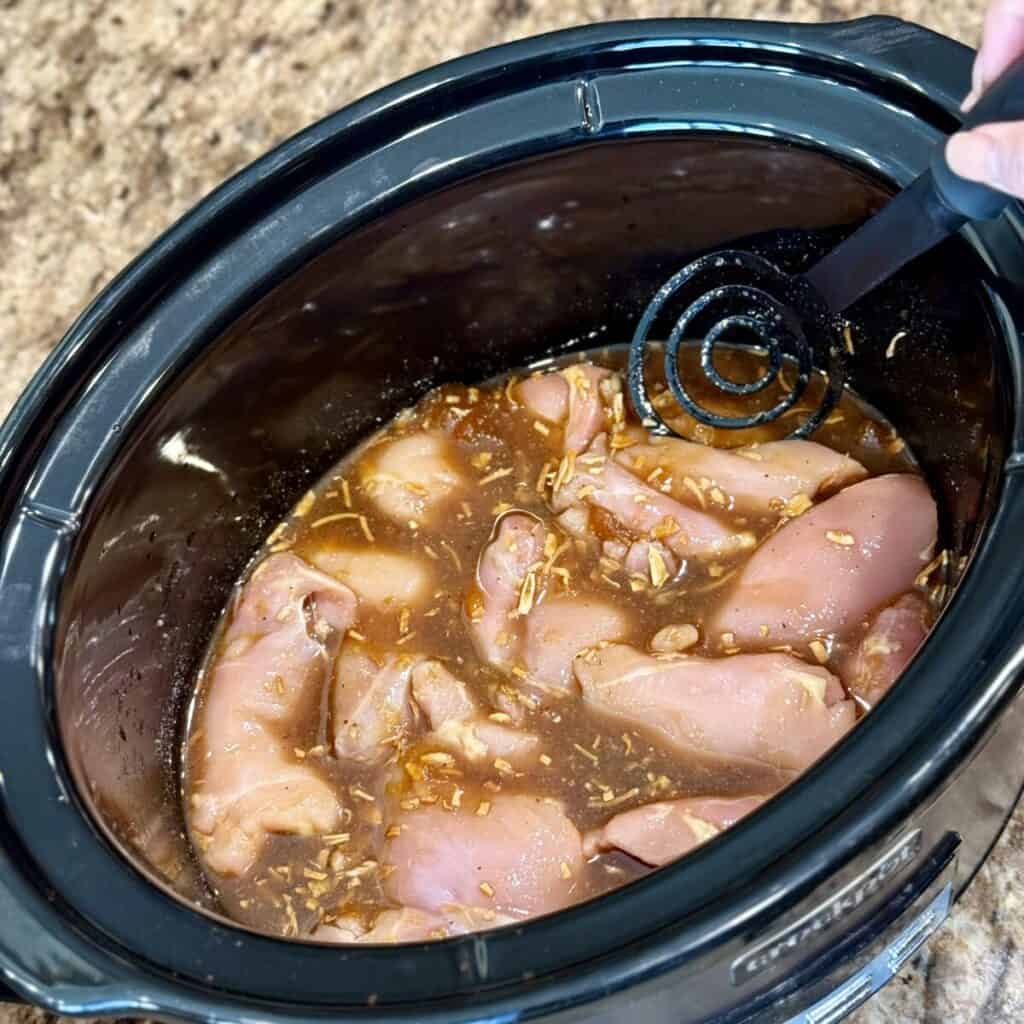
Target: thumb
x=992, y=154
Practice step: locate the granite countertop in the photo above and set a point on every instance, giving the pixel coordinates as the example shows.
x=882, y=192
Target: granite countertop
x=115, y=117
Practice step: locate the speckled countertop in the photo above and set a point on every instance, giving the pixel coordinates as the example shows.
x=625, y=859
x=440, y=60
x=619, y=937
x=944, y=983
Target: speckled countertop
x=117, y=115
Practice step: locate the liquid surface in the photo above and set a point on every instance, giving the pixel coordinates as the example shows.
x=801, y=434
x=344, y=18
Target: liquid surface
x=512, y=616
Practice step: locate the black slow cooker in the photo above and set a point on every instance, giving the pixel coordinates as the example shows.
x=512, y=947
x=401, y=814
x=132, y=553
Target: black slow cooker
x=519, y=202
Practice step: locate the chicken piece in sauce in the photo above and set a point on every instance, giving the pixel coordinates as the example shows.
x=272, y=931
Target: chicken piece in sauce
x=458, y=721
x=891, y=639
x=370, y=706
x=276, y=656
x=757, y=480
x=827, y=569
x=661, y=832
x=516, y=651
x=599, y=482
x=576, y=399
x=412, y=479
x=560, y=627
x=517, y=855
x=771, y=708
x=384, y=579
x=515, y=623
x=496, y=601
x=412, y=925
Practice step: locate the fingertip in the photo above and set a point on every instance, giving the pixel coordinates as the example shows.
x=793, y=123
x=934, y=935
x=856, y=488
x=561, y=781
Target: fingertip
x=978, y=83
x=971, y=155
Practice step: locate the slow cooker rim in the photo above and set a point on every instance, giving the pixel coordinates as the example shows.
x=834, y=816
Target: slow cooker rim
x=56, y=360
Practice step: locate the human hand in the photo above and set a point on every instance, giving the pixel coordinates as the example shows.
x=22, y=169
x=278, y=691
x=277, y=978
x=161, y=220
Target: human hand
x=993, y=153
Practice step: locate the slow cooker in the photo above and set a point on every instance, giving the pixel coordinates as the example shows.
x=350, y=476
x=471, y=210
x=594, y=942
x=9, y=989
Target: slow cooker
x=516, y=203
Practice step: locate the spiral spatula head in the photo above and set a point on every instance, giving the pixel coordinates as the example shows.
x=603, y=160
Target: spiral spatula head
x=735, y=298
x=738, y=298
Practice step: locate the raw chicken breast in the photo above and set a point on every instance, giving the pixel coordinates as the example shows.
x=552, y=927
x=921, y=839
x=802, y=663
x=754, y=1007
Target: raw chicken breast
x=755, y=480
x=493, y=605
x=826, y=570
x=370, y=707
x=275, y=662
x=892, y=639
x=660, y=832
x=561, y=627
x=571, y=398
x=411, y=925
x=523, y=857
x=441, y=696
x=768, y=708
x=459, y=722
x=651, y=559
x=385, y=579
x=514, y=624
x=412, y=478
x=644, y=512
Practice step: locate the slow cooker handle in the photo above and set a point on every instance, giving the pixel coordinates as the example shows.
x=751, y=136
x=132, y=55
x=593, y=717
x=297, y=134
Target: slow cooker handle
x=1002, y=101
x=45, y=963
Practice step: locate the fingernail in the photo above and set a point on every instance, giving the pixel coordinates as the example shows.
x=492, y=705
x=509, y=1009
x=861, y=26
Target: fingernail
x=969, y=100
x=973, y=156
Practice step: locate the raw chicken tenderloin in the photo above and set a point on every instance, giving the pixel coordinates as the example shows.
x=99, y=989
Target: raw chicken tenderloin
x=660, y=832
x=411, y=479
x=441, y=696
x=825, y=571
x=521, y=858
x=892, y=639
x=541, y=635
x=276, y=657
x=643, y=555
x=492, y=605
x=559, y=628
x=571, y=398
x=458, y=721
x=384, y=579
x=411, y=925
x=768, y=708
x=370, y=707
x=643, y=511
x=756, y=480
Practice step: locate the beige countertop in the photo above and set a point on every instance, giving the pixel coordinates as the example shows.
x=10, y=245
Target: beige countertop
x=116, y=116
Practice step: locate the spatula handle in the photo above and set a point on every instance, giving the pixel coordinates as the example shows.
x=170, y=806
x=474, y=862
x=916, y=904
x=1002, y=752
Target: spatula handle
x=1002, y=101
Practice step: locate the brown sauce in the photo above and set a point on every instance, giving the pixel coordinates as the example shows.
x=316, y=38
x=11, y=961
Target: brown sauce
x=593, y=766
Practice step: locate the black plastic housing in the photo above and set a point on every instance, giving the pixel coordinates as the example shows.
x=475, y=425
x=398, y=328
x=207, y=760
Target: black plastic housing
x=515, y=203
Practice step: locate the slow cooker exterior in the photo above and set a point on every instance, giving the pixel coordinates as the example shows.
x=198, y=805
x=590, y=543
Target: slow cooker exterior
x=841, y=864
